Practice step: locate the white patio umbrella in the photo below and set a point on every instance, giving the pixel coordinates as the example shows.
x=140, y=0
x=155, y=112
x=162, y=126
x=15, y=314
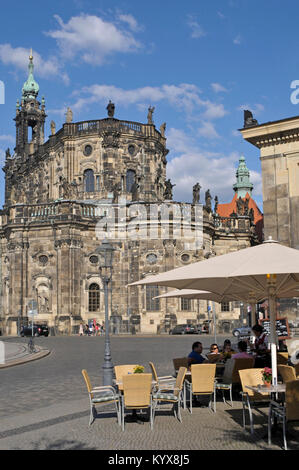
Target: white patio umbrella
x=269, y=270
x=198, y=294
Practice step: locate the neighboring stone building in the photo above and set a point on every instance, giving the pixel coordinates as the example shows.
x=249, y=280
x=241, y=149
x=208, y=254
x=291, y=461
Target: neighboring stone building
x=278, y=142
x=58, y=192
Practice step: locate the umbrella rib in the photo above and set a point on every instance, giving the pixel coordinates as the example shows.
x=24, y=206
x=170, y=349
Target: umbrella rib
x=248, y=285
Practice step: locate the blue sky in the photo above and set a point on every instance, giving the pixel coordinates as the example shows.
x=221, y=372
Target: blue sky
x=199, y=63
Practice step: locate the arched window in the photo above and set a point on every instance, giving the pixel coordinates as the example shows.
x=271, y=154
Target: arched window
x=93, y=298
x=88, y=181
x=130, y=179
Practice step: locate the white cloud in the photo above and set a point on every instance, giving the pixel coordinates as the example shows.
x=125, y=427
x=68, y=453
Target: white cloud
x=237, y=40
x=191, y=164
x=256, y=108
x=214, y=110
x=131, y=22
x=7, y=138
x=217, y=88
x=19, y=58
x=184, y=97
x=208, y=131
x=93, y=39
x=196, y=30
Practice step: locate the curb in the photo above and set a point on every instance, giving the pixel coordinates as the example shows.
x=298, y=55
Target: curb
x=32, y=357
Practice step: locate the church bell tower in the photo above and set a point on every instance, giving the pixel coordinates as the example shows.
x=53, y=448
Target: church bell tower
x=30, y=116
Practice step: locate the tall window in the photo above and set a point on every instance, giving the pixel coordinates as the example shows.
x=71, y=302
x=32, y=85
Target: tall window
x=186, y=305
x=225, y=307
x=88, y=181
x=93, y=298
x=130, y=179
x=152, y=305
x=98, y=183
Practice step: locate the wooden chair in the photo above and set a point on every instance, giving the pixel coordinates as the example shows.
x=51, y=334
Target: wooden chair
x=240, y=364
x=287, y=412
x=287, y=373
x=180, y=362
x=202, y=382
x=251, y=377
x=137, y=394
x=100, y=396
x=161, y=382
x=174, y=395
x=225, y=382
x=282, y=358
x=120, y=371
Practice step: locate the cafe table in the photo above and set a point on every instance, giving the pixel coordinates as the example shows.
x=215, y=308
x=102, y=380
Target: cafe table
x=272, y=390
x=263, y=389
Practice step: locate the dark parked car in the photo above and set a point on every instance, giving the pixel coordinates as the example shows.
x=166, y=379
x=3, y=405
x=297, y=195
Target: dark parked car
x=184, y=330
x=242, y=331
x=38, y=330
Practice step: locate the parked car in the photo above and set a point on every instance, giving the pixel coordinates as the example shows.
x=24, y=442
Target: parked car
x=184, y=330
x=203, y=328
x=242, y=331
x=38, y=330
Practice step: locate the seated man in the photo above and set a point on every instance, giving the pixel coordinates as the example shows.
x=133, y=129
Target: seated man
x=242, y=346
x=195, y=356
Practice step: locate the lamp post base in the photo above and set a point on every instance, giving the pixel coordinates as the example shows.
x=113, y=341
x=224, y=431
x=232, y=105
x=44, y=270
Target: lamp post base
x=107, y=374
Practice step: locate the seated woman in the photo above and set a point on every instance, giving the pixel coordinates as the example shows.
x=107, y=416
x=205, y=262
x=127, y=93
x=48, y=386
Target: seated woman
x=214, y=349
x=242, y=346
x=227, y=349
x=214, y=355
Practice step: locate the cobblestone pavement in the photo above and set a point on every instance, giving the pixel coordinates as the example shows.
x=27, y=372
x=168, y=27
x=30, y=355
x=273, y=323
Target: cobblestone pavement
x=44, y=404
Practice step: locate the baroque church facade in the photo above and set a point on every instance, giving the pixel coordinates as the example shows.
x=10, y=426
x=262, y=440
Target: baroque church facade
x=58, y=192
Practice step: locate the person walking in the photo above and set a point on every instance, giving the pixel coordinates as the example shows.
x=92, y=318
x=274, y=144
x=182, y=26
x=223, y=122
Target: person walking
x=81, y=330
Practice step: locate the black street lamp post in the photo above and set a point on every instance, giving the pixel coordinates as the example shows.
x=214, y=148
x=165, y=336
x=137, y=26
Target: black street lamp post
x=106, y=252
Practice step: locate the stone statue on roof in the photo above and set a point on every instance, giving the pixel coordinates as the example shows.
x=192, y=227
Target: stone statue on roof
x=208, y=201
x=196, y=193
x=151, y=110
x=216, y=204
x=249, y=121
x=168, y=190
x=162, y=129
x=110, y=109
x=69, y=115
x=53, y=128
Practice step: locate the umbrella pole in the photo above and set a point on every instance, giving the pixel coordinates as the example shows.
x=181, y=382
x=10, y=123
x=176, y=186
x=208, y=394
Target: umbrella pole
x=273, y=336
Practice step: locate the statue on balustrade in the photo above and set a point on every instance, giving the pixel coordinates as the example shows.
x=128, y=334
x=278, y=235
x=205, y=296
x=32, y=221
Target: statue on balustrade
x=53, y=128
x=196, y=193
x=208, y=201
x=69, y=116
x=162, y=129
x=116, y=192
x=216, y=204
x=168, y=190
x=151, y=109
x=110, y=109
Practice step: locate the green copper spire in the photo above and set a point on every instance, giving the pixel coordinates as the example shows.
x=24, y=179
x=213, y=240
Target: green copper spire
x=243, y=184
x=30, y=88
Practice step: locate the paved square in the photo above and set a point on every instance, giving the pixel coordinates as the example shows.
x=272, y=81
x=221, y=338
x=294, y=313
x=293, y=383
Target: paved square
x=44, y=404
